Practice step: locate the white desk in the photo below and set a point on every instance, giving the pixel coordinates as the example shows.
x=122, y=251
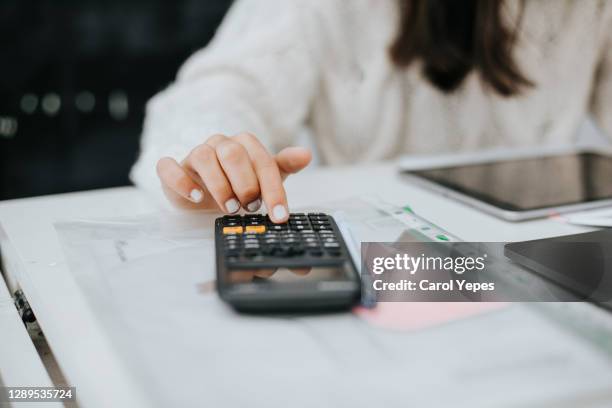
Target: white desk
x=81, y=346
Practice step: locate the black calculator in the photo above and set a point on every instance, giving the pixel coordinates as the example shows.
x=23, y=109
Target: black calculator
x=299, y=265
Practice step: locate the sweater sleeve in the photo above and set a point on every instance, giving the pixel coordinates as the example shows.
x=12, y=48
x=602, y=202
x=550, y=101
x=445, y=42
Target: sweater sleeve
x=601, y=101
x=259, y=74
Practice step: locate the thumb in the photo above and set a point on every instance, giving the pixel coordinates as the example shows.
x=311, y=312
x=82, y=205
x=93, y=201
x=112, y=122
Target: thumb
x=292, y=159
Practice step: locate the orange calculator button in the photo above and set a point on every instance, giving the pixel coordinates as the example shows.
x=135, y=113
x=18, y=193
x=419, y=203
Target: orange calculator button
x=232, y=230
x=256, y=229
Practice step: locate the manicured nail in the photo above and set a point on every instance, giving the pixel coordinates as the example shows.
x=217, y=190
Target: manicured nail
x=279, y=212
x=196, y=195
x=232, y=205
x=254, y=206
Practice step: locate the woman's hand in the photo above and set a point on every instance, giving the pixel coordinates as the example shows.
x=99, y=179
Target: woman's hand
x=232, y=172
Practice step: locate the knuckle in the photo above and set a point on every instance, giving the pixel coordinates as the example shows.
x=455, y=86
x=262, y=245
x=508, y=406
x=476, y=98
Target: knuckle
x=247, y=137
x=229, y=152
x=216, y=138
x=203, y=153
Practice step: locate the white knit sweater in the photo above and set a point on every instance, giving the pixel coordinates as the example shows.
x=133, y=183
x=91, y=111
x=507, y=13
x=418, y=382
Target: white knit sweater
x=277, y=66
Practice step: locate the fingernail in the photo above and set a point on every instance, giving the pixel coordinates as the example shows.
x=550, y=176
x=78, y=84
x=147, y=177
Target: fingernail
x=279, y=212
x=254, y=206
x=196, y=195
x=232, y=205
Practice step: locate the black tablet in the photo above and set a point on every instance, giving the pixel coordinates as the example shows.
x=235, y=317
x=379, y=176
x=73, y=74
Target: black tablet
x=580, y=263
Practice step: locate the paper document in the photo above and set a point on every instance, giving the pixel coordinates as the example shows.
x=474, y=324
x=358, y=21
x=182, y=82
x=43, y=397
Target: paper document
x=150, y=282
x=592, y=218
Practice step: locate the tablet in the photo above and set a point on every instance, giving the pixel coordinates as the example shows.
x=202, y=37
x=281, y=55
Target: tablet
x=525, y=188
x=580, y=263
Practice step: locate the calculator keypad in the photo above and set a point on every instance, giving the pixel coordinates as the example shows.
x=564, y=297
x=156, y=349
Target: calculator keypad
x=255, y=236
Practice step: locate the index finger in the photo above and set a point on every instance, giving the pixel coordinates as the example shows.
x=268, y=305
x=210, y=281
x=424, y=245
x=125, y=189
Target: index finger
x=268, y=174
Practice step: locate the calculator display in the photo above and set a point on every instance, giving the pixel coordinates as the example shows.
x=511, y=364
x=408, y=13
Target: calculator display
x=287, y=275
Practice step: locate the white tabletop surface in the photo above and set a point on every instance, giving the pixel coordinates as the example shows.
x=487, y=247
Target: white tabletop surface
x=81, y=346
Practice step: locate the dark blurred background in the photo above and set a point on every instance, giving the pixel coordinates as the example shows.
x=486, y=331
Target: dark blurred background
x=74, y=80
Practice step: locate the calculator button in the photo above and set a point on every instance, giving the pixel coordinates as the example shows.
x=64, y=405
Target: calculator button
x=331, y=245
x=296, y=250
x=268, y=250
x=231, y=219
x=232, y=259
x=257, y=229
x=232, y=251
x=315, y=252
x=232, y=230
x=282, y=251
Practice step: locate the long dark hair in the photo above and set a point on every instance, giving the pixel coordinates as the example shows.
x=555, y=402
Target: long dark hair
x=452, y=37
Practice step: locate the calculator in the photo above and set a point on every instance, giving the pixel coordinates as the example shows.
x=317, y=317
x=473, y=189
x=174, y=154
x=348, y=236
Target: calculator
x=299, y=265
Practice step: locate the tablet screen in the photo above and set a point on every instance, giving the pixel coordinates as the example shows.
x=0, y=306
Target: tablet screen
x=533, y=183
